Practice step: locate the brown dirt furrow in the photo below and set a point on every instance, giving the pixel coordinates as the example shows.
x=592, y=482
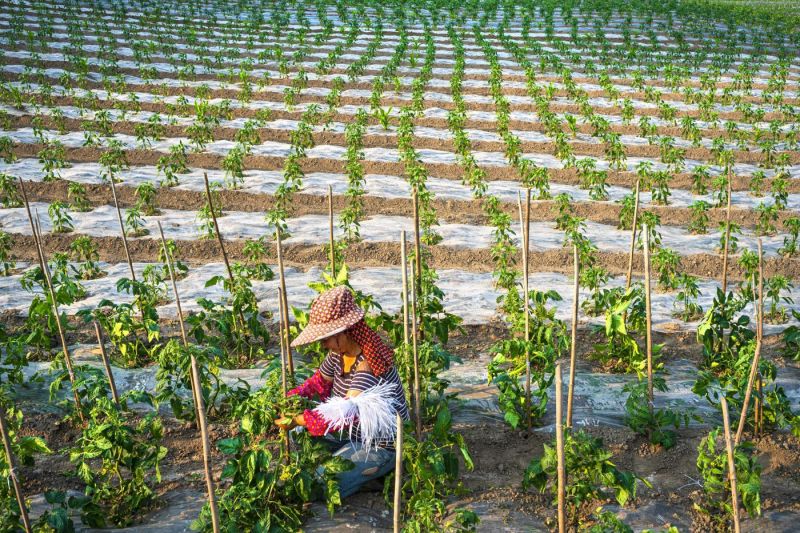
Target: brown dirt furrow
x=368, y=254
x=451, y=211
x=390, y=141
x=439, y=170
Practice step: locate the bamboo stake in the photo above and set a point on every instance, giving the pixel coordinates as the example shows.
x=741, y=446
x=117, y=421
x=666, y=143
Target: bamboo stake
x=219, y=239
x=330, y=226
x=23, y=511
x=174, y=285
x=60, y=327
x=633, y=236
x=30, y=219
x=216, y=227
x=111, y=383
x=414, y=334
x=282, y=342
x=649, y=315
x=195, y=387
x=731, y=465
x=201, y=417
x=284, y=305
x=756, y=356
x=574, y=334
x=525, y=225
x=727, y=238
x=561, y=470
x=398, y=472
x=417, y=285
x=404, y=275
x=122, y=229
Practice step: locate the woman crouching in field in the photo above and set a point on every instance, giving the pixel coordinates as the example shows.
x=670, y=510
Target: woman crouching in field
x=358, y=385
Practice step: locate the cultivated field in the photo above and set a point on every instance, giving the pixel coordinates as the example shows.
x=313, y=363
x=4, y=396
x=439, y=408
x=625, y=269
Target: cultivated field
x=154, y=149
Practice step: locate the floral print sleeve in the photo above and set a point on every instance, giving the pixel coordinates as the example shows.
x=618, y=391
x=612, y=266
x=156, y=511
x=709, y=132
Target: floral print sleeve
x=315, y=387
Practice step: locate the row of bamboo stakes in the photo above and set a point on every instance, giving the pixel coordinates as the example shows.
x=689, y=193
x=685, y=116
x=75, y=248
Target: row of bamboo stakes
x=730, y=443
x=411, y=334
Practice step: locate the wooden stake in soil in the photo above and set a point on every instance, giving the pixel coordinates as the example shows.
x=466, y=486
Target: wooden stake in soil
x=561, y=469
x=122, y=229
x=283, y=303
x=398, y=472
x=67, y=359
x=284, y=382
x=649, y=316
x=216, y=227
x=200, y=410
x=633, y=236
x=30, y=219
x=525, y=224
x=574, y=334
x=219, y=239
x=415, y=351
x=168, y=257
x=330, y=227
x=404, y=275
x=731, y=464
x=727, y=238
x=111, y=383
x=417, y=285
x=757, y=355
x=23, y=511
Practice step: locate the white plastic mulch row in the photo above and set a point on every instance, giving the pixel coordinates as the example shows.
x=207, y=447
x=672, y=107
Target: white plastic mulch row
x=430, y=100
x=310, y=229
x=387, y=155
x=472, y=52
x=116, y=115
x=561, y=32
x=477, y=69
x=377, y=185
x=469, y=295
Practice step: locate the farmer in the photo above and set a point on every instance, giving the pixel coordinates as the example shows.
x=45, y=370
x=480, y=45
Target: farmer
x=359, y=388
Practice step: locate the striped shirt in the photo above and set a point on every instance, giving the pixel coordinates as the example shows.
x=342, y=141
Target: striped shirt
x=361, y=380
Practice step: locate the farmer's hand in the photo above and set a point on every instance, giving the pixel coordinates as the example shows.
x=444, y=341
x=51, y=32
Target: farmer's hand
x=285, y=423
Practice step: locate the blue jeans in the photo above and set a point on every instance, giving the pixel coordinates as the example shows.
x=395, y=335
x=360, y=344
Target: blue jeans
x=369, y=464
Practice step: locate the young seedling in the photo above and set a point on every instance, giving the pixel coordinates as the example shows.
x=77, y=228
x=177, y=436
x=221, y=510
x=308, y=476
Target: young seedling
x=76, y=194
x=60, y=217
x=146, y=199
x=9, y=195
x=84, y=250
x=134, y=223
x=699, y=213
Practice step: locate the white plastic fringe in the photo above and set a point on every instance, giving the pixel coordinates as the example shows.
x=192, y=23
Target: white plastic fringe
x=373, y=409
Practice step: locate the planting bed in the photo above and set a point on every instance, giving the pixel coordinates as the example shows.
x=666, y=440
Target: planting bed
x=676, y=119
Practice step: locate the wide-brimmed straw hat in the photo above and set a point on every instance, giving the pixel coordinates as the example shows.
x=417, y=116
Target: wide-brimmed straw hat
x=334, y=311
